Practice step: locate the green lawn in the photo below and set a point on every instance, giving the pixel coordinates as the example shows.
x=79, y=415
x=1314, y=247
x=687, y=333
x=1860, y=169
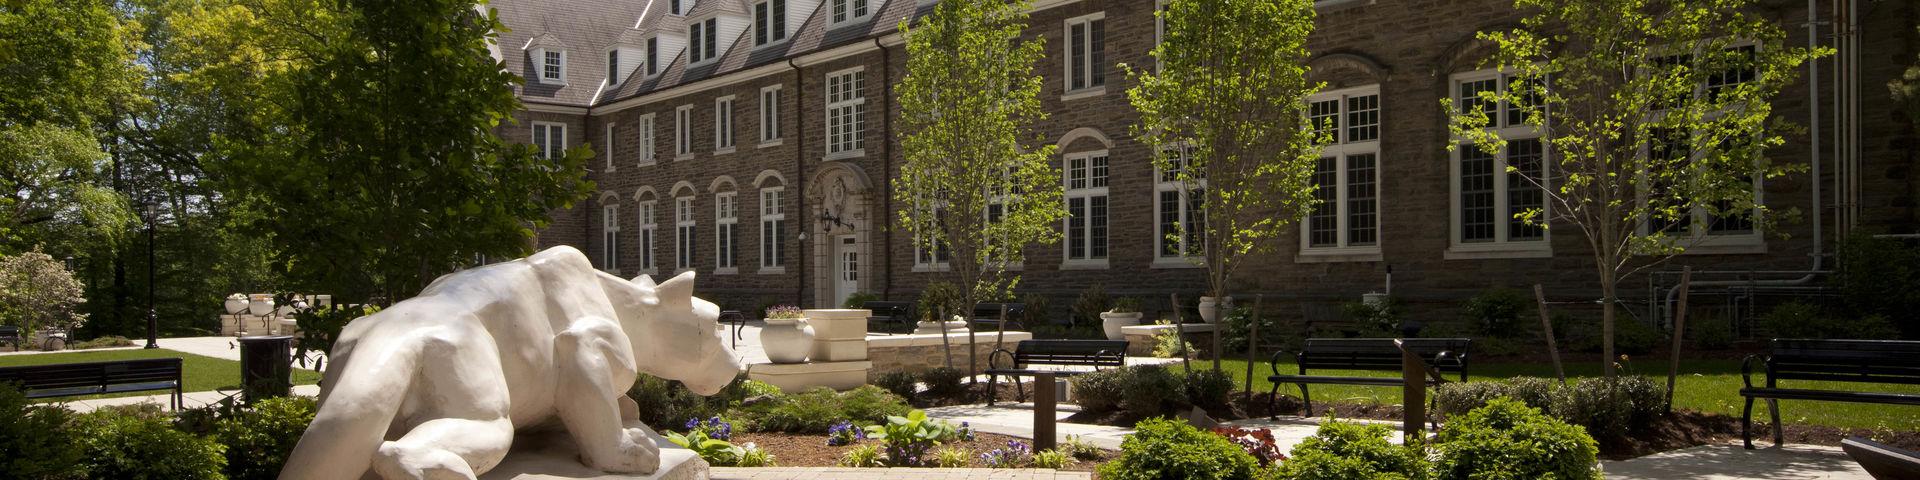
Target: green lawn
x=1703, y=385
x=202, y=373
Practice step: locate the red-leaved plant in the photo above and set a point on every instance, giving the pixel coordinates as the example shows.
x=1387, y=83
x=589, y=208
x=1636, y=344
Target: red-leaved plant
x=1256, y=441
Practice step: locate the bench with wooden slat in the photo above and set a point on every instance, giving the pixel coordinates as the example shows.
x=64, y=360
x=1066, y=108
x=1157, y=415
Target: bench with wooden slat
x=986, y=316
x=1060, y=353
x=94, y=378
x=1888, y=362
x=10, y=334
x=886, y=313
x=1442, y=355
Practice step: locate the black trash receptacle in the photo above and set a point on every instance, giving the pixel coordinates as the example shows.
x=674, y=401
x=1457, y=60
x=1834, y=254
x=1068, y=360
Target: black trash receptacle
x=266, y=369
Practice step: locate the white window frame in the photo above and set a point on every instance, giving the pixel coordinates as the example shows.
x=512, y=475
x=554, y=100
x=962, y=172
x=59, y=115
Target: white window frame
x=1698, y=237
x=683, y=132
x=610, y=238
x=1082, y=54
x=770, y=134
x=610, y=153
x=613, y=67
x=653, y=55
x=726, y=233
x=924, y=261
x=541, y=63
x=699, y=52
x=723, y=141
x=648, y=236
x=842, y=12
x=774, y=23
x=648, y=139
x=686, y=235
x=1501, y=246
x=1086, y=192
x=1341, y=151
x=854, y=101
x=1162, y=184
x=551, y=149
x=773, y=228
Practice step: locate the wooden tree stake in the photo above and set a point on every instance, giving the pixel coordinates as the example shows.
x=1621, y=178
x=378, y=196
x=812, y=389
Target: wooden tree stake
x=1553, y=350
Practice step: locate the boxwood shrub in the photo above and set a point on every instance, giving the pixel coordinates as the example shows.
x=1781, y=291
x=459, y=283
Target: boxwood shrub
x=1508, y=440
x=1171, y=449
x=1339, y=451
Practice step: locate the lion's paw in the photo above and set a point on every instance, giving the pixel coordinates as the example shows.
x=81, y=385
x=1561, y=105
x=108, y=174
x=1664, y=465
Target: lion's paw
x=638, y=453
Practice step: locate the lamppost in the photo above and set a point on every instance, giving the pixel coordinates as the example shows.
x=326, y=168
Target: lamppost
x=153, y=320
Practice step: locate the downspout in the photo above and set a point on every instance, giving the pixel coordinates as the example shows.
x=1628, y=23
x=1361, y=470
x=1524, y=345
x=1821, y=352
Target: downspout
x=1853, y=113
x=800, y=179
x=886, y=173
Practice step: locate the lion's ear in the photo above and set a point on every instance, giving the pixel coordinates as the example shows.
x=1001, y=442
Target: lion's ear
x=677, y=289
x=644, y=280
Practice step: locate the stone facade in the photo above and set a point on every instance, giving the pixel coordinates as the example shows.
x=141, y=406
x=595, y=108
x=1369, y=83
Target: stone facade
x=918, y=353
x=838, y=210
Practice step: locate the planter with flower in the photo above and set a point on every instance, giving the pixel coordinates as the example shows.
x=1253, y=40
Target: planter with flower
x=787, y=337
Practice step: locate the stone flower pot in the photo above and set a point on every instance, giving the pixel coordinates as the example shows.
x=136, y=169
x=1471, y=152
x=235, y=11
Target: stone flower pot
x=236, y=303
x=1111, y=323
x=1211, y=308
x=261, y=304
x=787, y=340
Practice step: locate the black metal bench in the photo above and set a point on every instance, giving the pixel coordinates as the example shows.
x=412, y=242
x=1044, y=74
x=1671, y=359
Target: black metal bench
x=1442, y=355
x=986, y=316
x=1071, y=353
x=11, y=335
x=887, y=313
x=1892, y=362
x=93, y=378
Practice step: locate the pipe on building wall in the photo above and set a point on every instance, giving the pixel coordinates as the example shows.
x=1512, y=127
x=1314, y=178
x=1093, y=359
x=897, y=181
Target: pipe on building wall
x=885, y=224
x=800, y=176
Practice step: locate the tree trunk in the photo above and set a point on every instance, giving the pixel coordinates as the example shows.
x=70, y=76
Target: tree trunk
x=1608, y=296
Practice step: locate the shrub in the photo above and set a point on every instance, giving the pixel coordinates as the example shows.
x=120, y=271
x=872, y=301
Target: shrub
x=1610, y=409
x=1631, y=337
x=1236, y=331
x=258, y=440
x=817, y=409
x=109, y=341
x=1126, y=305
x=864, y=456
x=899, y=382
x=1152, y=390
x=1800, y=320
x=940, y=297
x=858, y=300
x=1458, y=398
x=949, y=457
x=1509, y=440
x=1498, y=312
x=1057, y=331
x=755, y=388
x=1167, y=344
x=1089, y=305
x=753, y=456
x=1054, y=459
x=909, y=438
x=116, y=444
x=665, y=402
x=1350, y=450
x=1711, y=332
x=1100, y=392
x=944, y=382
x=1256, y=441
x=1881, y=276
x=1536, y=392
x=869, y=404
x=1162, y=448
x=1035, y=309
x=35, y=441
x=1375, y=319
x=1079, y=448
x=1209, y=388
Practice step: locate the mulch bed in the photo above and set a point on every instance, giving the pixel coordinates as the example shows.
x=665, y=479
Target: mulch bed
x=811, y=450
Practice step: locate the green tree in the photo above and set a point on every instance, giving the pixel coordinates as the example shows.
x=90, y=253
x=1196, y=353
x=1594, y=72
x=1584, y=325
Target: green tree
x=977, y=183
x=37, y=292
x=368, y=141
x=1227, y=123
x=1655, y=115
x=1907, y=89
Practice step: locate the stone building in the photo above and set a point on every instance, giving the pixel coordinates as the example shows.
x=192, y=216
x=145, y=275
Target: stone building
x=752, y=141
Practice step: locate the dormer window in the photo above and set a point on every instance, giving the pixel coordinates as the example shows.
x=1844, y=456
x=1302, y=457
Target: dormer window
x=703, y=41
x=677, y=4
x=849, y=10
x=653, y=56
x=769, y=22
x=553, y=65
x=613, y=67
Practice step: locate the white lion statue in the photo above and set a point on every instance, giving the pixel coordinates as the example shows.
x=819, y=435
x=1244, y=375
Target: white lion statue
x=436, y=386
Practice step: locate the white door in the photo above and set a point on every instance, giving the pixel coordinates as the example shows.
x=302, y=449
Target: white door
x=846, y=280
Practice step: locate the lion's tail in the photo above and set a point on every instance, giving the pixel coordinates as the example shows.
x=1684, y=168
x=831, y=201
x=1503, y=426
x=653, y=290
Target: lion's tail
x=365, y=384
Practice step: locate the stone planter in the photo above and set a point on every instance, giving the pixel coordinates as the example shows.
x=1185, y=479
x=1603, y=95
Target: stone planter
x=787, y=340
x=955, y=327
x=1111, y=323
x=1210, y=308
x=260, y=304
x=236, y=303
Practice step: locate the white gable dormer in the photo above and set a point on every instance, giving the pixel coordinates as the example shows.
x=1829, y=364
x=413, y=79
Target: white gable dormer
x=712, y=28
x=659, y=37
x=627, y=57
x=547, y=58
x=772, y=22
x=842, y=13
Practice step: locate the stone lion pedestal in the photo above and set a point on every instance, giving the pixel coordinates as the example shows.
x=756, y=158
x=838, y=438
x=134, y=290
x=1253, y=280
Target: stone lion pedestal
x=555, y=457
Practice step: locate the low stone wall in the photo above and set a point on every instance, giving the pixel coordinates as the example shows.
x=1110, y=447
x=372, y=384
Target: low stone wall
x=1140, y=338
x=919, y=353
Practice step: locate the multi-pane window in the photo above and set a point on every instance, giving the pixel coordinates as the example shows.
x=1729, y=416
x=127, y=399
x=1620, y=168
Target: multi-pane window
x=649, y=223
x=683, y=131
x=1346, y=178
x=550, y=139
x=613, y=67
x=674, y=6
x=846, y=111
x=683, y=230
x=553, y=66
x=847, y=10
x=1180, y=218
x=773, y=228
x=726, y=215
x=609, y=146
x=925, y=258
x=610, y=237
x=653, y=56
x=1086, y=194
x=723, y=123
x=770, y=113
x=1494, y=191
x=769, y=22
x=1086, y=52
x=1679, y=147
x=703, y=40
x=647, y=154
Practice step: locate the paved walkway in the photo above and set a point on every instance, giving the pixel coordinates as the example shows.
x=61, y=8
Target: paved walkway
x=1732, y=462
x=843, y=473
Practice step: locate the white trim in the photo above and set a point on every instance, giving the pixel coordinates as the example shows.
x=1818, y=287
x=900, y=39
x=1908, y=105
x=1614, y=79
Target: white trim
x=1086, y=193
x=709, y=53
x=649, y=141
x=552, y=108
x=769, y=121
x=1501, y=246
x=779, y=218
x=647, y=220
x=1342, y=151
x=723, y=134
x=613, y=80
x=855, y=101
x=1069, y=50
x=1186, y=200
x=540, y=67
x=549, y=152
x=684, y=243
x=784, y=33
x=683, y=132
x=610, y=152
x=726, y=218
x=610, y=237
x=852, y=13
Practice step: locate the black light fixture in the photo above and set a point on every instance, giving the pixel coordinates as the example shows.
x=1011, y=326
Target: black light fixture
x=829, y=220
x=153, y=320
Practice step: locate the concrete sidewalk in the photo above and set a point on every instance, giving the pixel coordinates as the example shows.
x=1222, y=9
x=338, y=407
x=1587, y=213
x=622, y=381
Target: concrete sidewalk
x=193, y=399
x=843, y=473
x=1732, y=462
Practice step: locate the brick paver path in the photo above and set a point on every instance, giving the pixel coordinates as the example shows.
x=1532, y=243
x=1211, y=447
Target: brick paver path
x=840, y=473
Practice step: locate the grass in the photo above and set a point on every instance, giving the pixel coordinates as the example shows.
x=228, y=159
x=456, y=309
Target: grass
x=1703, y=385
x=201, y=373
